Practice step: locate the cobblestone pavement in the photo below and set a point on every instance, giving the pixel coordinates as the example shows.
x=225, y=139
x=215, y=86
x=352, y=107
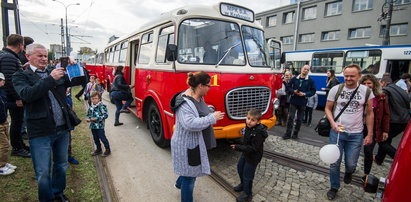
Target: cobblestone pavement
x=274, y=182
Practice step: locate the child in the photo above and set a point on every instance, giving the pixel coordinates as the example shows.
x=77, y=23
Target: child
x=5, y=167
x=252, y=148
x=311, y=105
x=96, y=114
x=99, y=86
x=90, y=88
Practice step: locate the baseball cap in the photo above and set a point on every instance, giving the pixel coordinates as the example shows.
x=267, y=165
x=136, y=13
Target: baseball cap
x=2, y=76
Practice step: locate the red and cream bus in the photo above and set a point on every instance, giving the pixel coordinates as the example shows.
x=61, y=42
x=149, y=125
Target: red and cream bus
x=223, y=40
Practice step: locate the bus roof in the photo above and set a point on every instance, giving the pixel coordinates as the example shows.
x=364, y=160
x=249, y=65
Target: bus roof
x=351, y=48
x=190, y=11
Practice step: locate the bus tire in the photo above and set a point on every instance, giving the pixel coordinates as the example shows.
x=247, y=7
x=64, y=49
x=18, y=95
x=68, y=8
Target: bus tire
x=155, y=125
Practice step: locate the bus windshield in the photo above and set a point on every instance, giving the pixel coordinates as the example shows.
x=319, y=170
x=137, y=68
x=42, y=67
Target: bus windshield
x=255, y=46
x=205, y=41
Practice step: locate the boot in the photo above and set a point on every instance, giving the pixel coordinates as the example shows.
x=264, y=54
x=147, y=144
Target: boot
x=106, y=153
x=244, y=197
x=238, y=188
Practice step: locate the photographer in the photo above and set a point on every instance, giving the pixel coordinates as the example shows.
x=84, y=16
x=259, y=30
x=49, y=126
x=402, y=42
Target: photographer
x=301, y=87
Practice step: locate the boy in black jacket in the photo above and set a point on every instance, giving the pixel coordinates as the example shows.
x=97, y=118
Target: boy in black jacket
x=252, y=148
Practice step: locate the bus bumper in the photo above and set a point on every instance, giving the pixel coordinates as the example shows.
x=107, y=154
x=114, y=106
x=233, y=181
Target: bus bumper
x=234, y=131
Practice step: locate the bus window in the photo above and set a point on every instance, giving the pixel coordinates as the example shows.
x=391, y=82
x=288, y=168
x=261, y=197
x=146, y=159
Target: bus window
x=255, y=47
x=368, y=60
x=123, y=51
x=296, y=65
x=145, y=49
x=116, y=53
x=166, y=37
x=322, y=61
x=204, y=41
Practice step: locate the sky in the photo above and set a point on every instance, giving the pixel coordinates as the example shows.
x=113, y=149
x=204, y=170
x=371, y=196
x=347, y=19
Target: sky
x=93, y=21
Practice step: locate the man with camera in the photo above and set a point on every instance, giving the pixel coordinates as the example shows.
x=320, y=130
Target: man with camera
x=301, y=87
x=48, y=122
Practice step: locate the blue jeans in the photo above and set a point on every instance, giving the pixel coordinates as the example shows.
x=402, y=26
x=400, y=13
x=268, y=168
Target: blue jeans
x=246, y=172
x=99, y=134
x=118, y=98
x=186, y=185
x=49, y=153
x=350, y=144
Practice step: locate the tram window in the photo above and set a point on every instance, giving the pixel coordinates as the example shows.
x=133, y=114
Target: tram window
x=123, y=51
x=322, y=61
x=368, y=60
x=145, y=49
x=166, y=37
x=205, y=41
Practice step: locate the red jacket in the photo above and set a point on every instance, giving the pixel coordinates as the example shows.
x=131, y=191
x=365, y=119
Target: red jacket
x=381, y=117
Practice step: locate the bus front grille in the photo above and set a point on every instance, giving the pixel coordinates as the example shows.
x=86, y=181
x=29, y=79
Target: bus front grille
x=240, y=100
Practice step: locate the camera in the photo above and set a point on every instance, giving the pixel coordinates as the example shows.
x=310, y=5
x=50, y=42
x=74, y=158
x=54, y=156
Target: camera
x=64, y=62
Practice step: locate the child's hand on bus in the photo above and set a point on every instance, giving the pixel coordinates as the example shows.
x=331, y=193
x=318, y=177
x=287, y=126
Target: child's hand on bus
x=218, y=115
x=232, y=146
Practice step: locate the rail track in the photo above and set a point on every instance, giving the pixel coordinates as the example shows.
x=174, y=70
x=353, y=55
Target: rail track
x=302, y=165
x=223, y=183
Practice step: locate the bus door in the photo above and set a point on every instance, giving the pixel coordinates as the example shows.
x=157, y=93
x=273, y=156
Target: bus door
x=398, y=67
x=132, y=60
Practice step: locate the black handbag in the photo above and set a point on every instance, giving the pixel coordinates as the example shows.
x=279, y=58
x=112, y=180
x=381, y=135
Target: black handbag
x=74, y=120
x=323, y=127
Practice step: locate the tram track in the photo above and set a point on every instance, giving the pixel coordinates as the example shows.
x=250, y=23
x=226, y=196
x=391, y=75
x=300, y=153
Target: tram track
x=303, y=165
x=223, y=183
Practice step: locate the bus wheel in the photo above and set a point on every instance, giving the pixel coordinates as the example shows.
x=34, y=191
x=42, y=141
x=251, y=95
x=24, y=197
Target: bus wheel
x=155, y=125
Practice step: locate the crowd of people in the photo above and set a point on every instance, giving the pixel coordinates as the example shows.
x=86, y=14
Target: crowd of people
x=37, y=96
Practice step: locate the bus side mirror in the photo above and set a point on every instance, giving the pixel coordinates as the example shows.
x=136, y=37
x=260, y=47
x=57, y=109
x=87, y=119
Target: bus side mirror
x=171, y=52
x=282, y=59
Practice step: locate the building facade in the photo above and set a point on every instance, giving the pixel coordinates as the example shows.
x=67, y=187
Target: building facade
x=322, y=24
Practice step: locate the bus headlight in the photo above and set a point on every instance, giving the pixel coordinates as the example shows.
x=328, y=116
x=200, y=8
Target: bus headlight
x=276, y=103
x=212, y=108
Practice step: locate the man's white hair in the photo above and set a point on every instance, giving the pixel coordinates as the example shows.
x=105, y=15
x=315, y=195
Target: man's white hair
x=30, y=48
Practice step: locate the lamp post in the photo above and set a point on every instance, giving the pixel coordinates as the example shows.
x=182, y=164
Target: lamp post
x=67, y=36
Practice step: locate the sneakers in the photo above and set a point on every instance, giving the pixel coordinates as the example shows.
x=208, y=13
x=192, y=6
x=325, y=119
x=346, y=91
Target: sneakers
x=332, y=193
x=118, y=124
x=244, y=197
x=348, y=178
x=176, y=186
x=124, y=111
x=376, y=160
x=5, y=170
x=286, y=137
x=61, y=198
x=72, y=160
x=21, y=153
x=238, y=188
x=96, y=152
x=11, y=166
x=106, y=153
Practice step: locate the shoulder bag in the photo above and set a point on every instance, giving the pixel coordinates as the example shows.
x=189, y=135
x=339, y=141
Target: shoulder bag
x=323, y=127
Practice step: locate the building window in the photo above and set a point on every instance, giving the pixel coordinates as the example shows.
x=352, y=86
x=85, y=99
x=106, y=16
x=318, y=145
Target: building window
x=288, y=17
x=334, y=8
x=360, y=5
x=271, y=21
x=395, y=30
x=356, y=33
x=287, y=39
x=259, y=21
x=330, y=35
x=310, y=13
x=306, y=38
x=401, y=2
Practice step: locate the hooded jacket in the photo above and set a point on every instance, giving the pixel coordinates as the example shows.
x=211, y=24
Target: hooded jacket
x=188, y=137
x=253, y=143
x=9, y=64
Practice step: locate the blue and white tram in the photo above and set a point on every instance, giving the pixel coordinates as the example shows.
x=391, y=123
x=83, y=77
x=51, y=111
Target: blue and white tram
x=376, y=60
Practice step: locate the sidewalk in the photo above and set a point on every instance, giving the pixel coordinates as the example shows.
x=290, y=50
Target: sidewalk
x=141, y=171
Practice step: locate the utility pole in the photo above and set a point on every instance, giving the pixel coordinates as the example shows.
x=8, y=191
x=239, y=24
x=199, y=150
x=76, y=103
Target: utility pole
x=387, y=16
x=5, y=7
x=62, y=39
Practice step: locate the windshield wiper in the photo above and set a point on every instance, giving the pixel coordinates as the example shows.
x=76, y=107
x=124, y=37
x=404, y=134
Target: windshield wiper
x=226, y=53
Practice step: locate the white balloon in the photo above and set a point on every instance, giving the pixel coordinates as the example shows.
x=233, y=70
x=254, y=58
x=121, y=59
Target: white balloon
x=329, y=153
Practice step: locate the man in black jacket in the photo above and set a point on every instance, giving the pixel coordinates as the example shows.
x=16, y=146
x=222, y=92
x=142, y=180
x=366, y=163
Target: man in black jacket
x=9, y=64
x=48, y=123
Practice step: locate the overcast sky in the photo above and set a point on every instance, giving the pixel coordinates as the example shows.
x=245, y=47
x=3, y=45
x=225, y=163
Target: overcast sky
x=93, y=21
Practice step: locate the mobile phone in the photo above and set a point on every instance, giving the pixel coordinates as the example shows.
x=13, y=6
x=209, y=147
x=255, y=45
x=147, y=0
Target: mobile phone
x=64, y=61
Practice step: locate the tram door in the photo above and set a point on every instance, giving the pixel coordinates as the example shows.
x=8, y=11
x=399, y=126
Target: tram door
x=397, y=67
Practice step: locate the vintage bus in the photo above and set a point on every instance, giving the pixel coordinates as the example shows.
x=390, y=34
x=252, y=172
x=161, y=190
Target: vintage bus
x=376, y=60
x=223, y=40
